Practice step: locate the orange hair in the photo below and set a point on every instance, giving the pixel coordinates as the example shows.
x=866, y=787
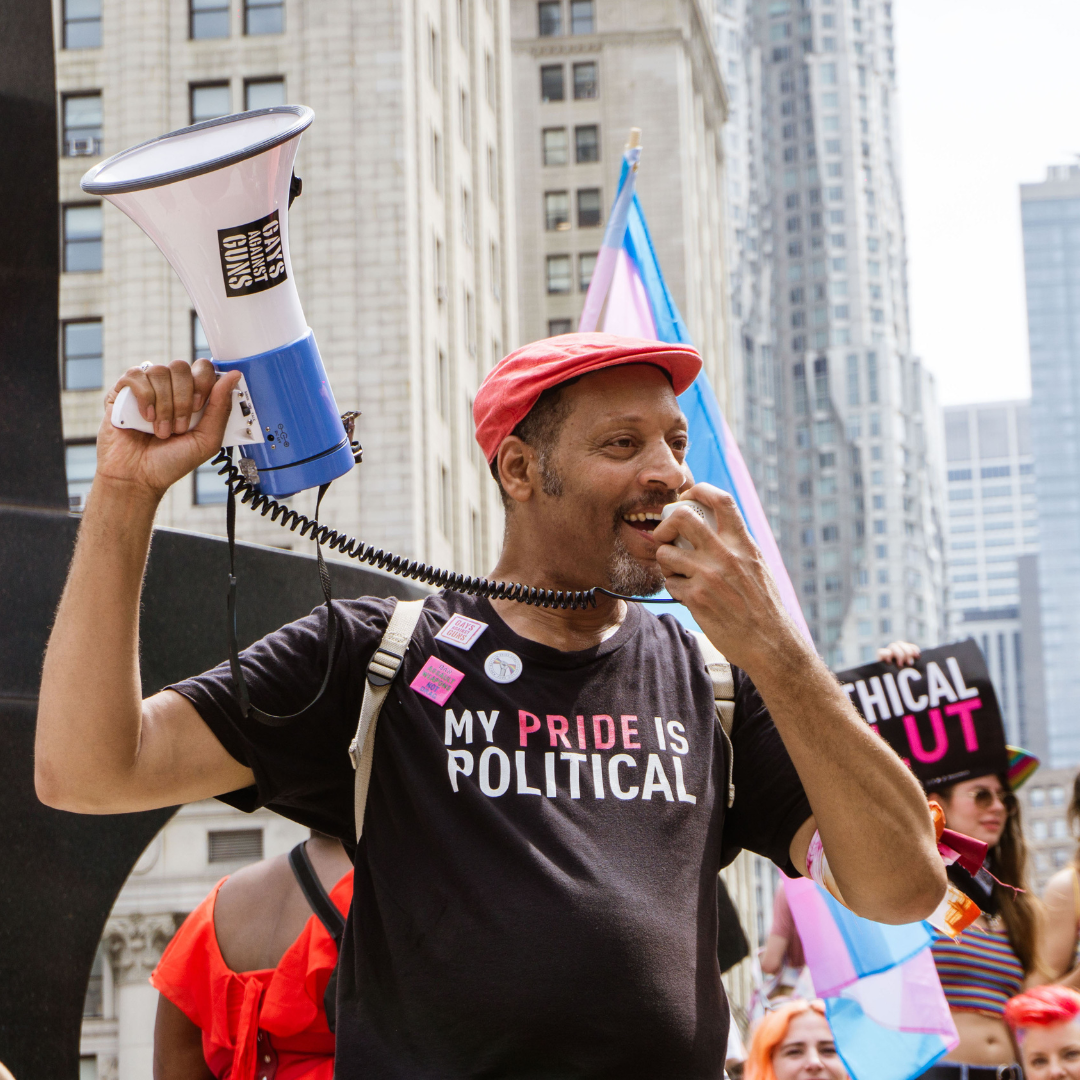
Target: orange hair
x=770, y=1033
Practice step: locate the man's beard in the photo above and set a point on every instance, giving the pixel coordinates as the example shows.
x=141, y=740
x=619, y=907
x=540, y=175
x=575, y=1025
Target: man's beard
x=631, y=578
x=626, y=574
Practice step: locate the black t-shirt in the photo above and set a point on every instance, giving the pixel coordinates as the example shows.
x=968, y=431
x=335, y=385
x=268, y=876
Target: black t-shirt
x=535, y=889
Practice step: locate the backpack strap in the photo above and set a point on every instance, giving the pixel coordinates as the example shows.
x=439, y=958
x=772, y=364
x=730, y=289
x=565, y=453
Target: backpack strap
x=384, y=666
x=724, y=698
x=327, y=913
x=315, y=894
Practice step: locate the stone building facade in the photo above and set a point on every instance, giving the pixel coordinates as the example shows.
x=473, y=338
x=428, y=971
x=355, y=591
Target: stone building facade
x=1051, y=842
x=402, y=243
x=585, y=72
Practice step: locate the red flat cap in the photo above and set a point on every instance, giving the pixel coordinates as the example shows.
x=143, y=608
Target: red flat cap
x=513, y=386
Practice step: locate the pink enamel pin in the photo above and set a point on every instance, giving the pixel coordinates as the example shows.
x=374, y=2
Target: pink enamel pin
x=437, y=680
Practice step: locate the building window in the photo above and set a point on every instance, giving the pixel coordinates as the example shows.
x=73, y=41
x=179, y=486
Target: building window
x=586, y=143
x=552, y=82
x=210, y=489
x=588, y=207
x=264, y=93
x=558, y=274
x=466, y=216
x=581, y=16
x=264, y=17
x=234, y=845
x=82, y=124
x=586, y=266
x=559, y=326
x=444, y=502
x=81, y=343
x=439, y=270
x=493, y=175
x=80, y=461
x=470, y=323
x=550, y=12
x=586, y=84
x=200, y=347
x=208, y=19
x=555, y=146
x=433, y=55
x=442, y=384
x=853, y=380
x=436, y=160
x=872, y=378
x=209, y=101
x=489, y=79
x=82, y=24
x=463, y=24
x=495, y=289
x=464, y=116
x=556, y=210
x=82, y=238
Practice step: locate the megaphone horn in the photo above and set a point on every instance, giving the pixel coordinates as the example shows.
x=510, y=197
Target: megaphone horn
x=214, y=198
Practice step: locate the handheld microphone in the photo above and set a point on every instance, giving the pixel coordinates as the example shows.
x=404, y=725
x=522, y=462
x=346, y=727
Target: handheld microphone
x=214, y=198
x=693, y=505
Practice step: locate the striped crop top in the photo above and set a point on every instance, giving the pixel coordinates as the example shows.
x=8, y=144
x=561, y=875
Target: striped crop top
x=979, y=972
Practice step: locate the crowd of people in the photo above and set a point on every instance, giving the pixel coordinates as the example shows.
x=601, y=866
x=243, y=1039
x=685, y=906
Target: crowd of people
x=1011, y=979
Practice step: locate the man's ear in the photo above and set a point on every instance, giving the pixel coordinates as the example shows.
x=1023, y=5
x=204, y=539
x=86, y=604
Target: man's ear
x=516, y=462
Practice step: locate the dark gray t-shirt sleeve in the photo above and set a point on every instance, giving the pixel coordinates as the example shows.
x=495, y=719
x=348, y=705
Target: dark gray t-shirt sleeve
x=302, y=769
x=770, y=804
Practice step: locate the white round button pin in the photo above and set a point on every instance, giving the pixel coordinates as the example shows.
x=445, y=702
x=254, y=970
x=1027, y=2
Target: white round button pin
x=503, y=666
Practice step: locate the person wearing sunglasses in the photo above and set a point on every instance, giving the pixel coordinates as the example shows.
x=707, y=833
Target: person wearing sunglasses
x=998, y=956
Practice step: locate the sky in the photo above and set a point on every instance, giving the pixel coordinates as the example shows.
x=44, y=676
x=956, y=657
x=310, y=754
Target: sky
x=989, y=96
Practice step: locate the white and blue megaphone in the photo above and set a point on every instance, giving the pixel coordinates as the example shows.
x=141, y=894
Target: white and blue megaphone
x=214, y=198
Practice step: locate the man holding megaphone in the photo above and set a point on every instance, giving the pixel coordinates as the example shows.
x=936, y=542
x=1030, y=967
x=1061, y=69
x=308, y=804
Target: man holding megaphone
x=552, y=791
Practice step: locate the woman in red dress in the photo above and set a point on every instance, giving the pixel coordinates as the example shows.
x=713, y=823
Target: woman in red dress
x=243, y=982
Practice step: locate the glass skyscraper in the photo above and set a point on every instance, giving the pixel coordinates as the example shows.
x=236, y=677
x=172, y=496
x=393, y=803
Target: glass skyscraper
x=1050, y=213
x=856, y=431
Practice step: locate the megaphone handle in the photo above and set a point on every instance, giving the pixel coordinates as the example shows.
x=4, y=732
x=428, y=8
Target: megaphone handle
x=242, y=429
x=126, y=414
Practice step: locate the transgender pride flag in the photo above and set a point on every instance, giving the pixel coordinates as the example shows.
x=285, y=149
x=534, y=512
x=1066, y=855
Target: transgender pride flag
x=881, y=990
x=882, y=994
x=628, y=276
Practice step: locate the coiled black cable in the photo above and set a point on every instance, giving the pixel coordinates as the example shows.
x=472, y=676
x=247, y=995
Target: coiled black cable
x=294, y=521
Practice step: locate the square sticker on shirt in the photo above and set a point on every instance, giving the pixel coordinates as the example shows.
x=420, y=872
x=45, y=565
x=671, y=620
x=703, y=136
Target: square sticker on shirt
x=437, y=680
x=461, y=631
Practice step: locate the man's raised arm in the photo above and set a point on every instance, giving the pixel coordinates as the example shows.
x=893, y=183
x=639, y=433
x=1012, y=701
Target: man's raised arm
x=872, y=815
x=101, y=749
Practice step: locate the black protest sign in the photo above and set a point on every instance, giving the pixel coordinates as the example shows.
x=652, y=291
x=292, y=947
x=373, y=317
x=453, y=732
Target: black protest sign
x=940, y=714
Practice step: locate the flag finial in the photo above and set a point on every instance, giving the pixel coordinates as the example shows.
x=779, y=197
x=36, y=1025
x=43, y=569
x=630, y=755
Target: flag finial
x=635, y=138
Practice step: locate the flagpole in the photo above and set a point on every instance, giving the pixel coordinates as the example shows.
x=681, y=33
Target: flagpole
x=613, y=236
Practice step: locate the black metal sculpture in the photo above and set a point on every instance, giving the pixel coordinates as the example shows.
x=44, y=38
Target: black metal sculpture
x=60, y=873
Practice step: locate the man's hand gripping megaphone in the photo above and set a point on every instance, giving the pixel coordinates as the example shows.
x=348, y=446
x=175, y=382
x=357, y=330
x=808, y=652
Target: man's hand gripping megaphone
x=169, y=398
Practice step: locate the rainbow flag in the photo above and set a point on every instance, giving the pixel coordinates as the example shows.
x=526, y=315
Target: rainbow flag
x=627, y=275
x=883, y=998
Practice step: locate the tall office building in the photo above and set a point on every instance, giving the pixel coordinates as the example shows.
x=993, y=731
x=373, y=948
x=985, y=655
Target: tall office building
x=585, y=72
x=860, y=520
x=402, y=242
x=992, y=525
x=750, y=264
x=1050, y=213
